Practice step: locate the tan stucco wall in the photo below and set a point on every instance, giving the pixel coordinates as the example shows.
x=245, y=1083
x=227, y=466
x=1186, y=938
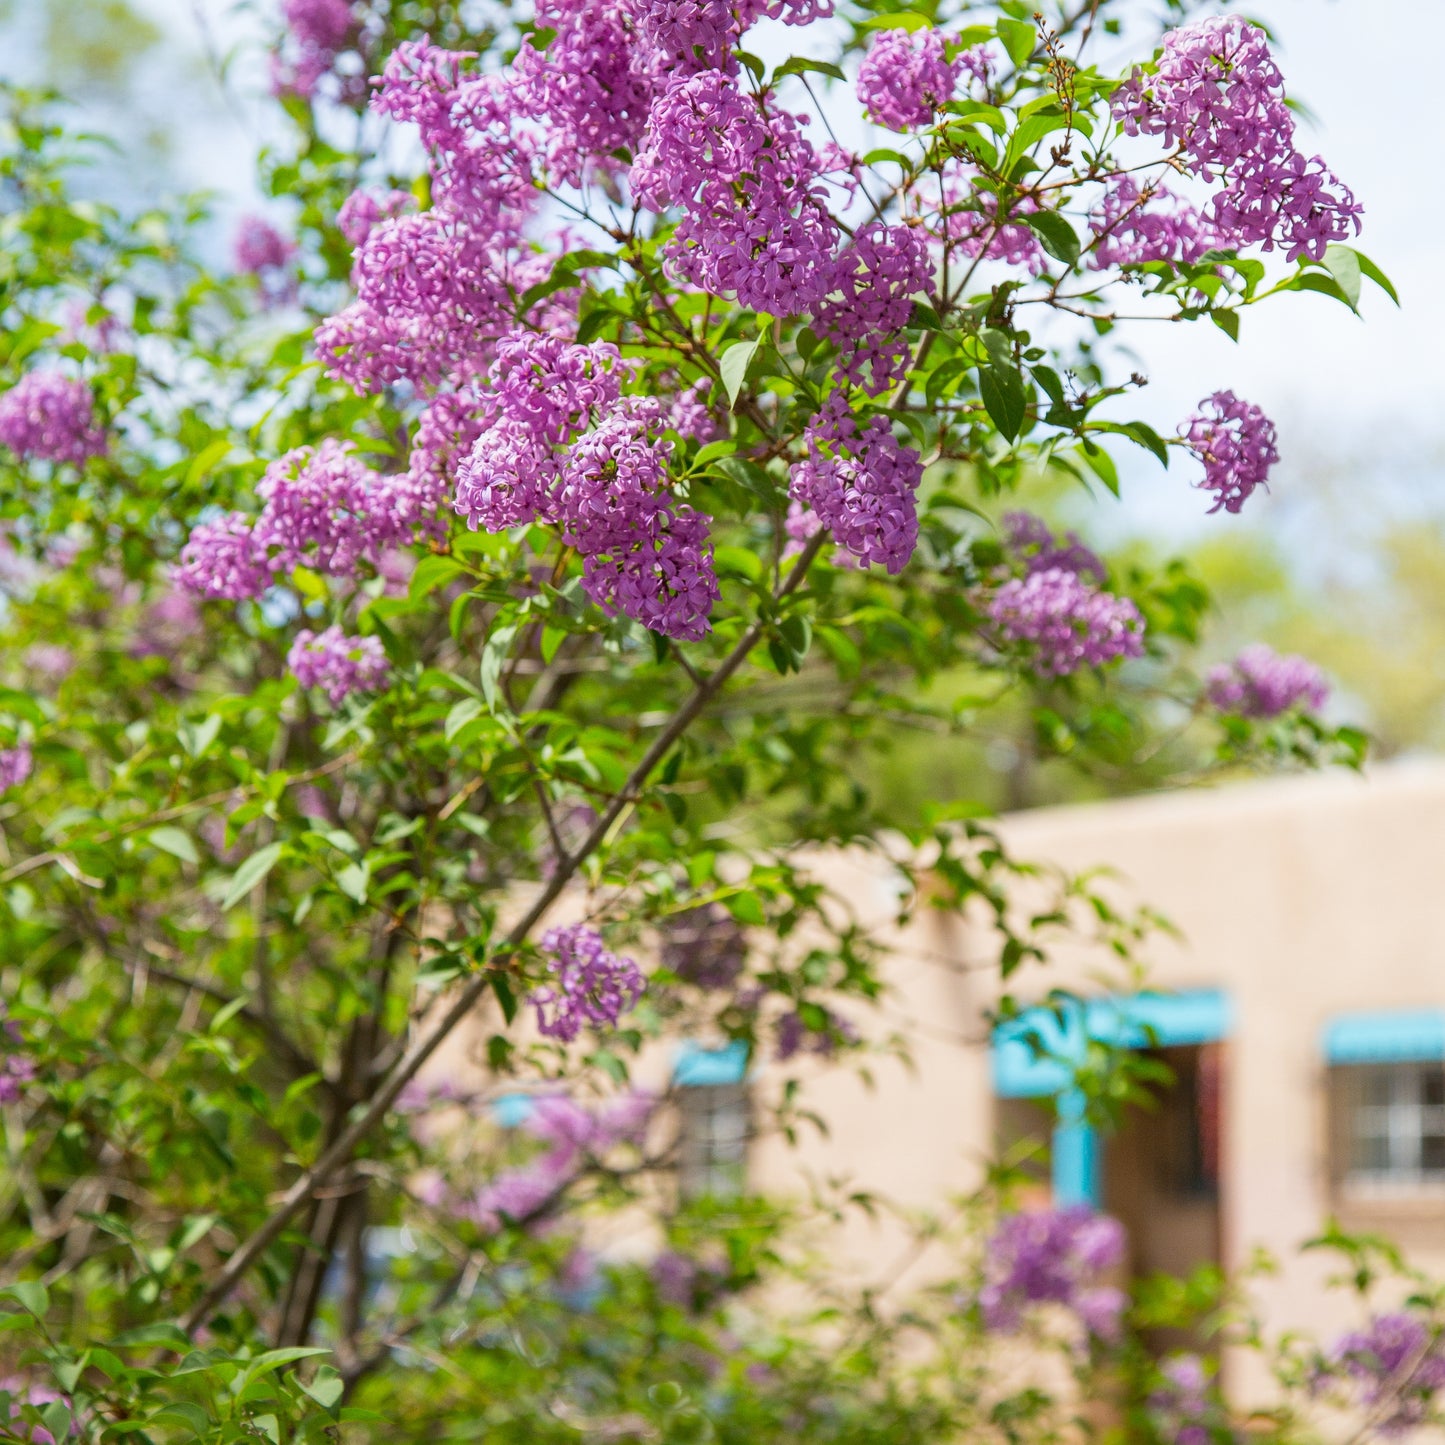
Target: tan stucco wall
x=1302, y=898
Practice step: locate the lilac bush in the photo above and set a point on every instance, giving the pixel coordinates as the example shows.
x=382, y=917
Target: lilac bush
x=620, y=448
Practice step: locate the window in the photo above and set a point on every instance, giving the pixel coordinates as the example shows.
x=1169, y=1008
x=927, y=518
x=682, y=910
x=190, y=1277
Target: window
x=713, y=1143
x=1391, y=1120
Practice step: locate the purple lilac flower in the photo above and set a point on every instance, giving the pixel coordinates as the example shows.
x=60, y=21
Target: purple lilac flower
x=325, y=24
x=643, y=554
x=1236, y=442
x=50, y=417
x=796, y=1036
x=1033, y=542
x=860, y=486
x=21, y=1392
x=1218, y=96
x=1133, y=226
x=166, y=624
x=1396, y=1364
x=1181, y=1408
x=1052, y=1256
x=361, y=210
x=1261, y=683
x=16, y=1069
x=573, y=1134
x=260, y=247
x=1064, y=623
x=593, y=986
x=705, y=946
x=744, y=176
x=338, y=663
x=674, y=1275
x=50, y=659
x=221, y=560
x=876, y=279
x=977, y=230
x=906, y=79
x=15, y=765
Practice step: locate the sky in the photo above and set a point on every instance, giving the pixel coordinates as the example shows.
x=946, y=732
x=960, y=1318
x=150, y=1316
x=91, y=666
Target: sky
x=1357, y=400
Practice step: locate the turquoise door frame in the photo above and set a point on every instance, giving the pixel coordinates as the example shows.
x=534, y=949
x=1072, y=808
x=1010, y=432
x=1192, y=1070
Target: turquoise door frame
x=1036, y=1055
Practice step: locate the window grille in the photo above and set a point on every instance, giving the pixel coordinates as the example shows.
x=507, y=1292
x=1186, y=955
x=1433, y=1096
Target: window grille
x=716, y=1124
x=1390, y=1123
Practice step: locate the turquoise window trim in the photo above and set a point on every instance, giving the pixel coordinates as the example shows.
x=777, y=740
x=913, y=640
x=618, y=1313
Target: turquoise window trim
x=1384, y=1037
x=697, y=1067
x=1197, y=1016
x=511, y=1111
x=1075, y=1156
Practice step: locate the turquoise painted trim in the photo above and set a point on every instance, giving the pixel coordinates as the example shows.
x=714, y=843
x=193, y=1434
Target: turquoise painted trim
x=697, y=1067
x=511, y=1111
x=1020, y=1071
x=1075, y=1156
x=1397, y=1036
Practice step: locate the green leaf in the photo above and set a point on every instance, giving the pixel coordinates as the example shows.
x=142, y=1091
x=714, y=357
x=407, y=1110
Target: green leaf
x=1004, y=398
x=32, y=1296
x=197, y=737
x=327, y=1388
x=1227, y=321
x=1344, y=265
x=1376, y=275
x=432, y=572
x=460, y=715
x=183, y=1412
x=494, y=654
x=898, y=21
x=251, y=872
x=1055, y=235
x=1019, y=39
x=505, y=996
x=733, y=365
x=174, y=841
x=801, y=65
x=1325, y=285
x=353, y=880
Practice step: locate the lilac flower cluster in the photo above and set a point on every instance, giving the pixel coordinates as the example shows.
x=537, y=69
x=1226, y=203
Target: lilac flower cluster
x=1053, y=1256
x=260, y=247
x=744, y=176
x=573, y=1135
x=318, y=30
x=338, y=663
x=1218, y=97
x=1032, y=541
x=49, y=417
x=1134, y=225
x=594, y=986
x=705, y=946
x=15, y=765
x=361, y=210
x=22, y=1392
x=1397, y=1366
x=860, y=486
x=874, y=282
x=796, y=1036
x=1236, y=442
x=1261, y=683
x=1064, y=623
x=1181, y=1409
x=323, y=508
x=542, y=460
x=16, y=1068
x=905, y=79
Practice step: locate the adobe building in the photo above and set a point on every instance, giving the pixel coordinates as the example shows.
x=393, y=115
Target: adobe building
x=1301, y=1008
